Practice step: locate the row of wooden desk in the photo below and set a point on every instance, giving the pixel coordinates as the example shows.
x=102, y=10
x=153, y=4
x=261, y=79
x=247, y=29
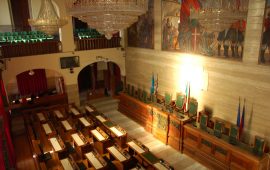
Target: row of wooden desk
x=65, y=138
x=179, y=132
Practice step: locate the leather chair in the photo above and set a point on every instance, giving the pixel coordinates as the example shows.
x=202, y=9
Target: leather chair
x=259, y=146
x=218, y=128
x=234, y=135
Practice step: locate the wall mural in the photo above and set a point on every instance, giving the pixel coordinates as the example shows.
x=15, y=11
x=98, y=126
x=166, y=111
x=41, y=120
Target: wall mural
x=208, y=27
x=265, y=47
x=141, y=33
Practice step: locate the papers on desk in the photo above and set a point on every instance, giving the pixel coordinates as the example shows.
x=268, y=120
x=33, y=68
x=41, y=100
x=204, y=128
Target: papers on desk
x=41, y=117
x=75, y=111
x=66, y=125
x=117, y=154
x=100, y=118
x=55, y=144
x=93, y=160
x=159, y=166
x=77, y=139
x=47, y=128
x=66, y=164
x=84, y=121
x=116, y=131
x=89, y=109
x=97, y=135
x=134, y=146
x=58, y=114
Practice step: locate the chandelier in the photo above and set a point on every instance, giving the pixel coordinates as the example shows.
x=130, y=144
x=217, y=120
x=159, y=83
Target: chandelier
x=47, y=20
x=107, y=16
x=217, y=15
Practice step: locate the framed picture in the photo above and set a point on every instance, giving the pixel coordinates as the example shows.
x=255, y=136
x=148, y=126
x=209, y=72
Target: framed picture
x=265, y=45
x=141, y=33
x=211, y=28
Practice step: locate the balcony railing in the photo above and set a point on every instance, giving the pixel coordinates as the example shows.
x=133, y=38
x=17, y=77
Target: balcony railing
x=96, y=43
x=33, y=48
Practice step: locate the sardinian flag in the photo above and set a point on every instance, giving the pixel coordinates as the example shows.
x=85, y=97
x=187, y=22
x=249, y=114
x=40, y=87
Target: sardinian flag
x=156, y=86
x=187, y=98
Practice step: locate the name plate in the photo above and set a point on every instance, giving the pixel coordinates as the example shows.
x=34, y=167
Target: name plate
x=58, y=114
x=41, y=117
x=137, y=148
x=66, y=164
x=84, y=121
x=159, y=166
x=101, y=119
x=66, y=125
x=116, y=131
x=89, y=109
x=117, y=154
x=47, y=128
x=77, y=139
x=75, y=111
x=56, y=145
x=94, y=161
x=97, y=135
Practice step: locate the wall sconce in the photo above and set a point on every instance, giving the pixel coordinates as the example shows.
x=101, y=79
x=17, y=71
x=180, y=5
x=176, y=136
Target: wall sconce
x=101, y=58
x=71, y=70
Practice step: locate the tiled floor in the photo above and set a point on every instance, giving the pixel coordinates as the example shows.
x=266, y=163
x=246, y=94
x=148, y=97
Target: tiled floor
x=179, y=161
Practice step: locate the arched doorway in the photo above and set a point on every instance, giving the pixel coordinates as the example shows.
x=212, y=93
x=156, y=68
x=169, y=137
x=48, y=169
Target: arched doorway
x=99, y=79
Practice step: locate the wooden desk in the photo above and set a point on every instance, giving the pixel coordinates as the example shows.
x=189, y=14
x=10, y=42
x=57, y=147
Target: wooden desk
x=218, y=153
x=75, y=112
x=101, y=140
x=135, y=147
x=41, y=117
x=59, y=115
x=49, y=129
x=120, y=156
x=86, y=122
x=69, y=164
x=82, y=145
x=176, y=130
x=57, y=144
x=89, y=109
x=95, y=160
x=160, y=124
x=79, y=139
x=120, y=135
x=66, y=125
x=101, y=119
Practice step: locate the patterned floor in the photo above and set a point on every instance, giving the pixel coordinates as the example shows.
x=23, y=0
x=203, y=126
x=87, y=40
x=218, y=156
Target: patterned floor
x=179, y=161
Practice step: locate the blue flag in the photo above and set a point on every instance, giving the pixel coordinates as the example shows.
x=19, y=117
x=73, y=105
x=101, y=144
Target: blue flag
x=153, y=85
x=242, y=123
x=238, y=115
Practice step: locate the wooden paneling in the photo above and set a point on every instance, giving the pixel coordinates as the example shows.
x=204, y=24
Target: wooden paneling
x=218, y=153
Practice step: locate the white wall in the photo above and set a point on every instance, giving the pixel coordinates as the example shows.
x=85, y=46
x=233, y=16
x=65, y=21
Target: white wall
x=4, y=13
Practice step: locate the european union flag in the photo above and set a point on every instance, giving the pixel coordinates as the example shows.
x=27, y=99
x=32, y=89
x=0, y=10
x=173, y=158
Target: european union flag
x=238, y=115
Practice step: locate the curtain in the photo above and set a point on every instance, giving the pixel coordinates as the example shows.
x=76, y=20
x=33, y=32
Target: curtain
x=32, y=84
x=6, y=135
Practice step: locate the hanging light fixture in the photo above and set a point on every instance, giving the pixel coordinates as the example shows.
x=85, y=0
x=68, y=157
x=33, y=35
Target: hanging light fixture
x=47, y=20
x=217, y=15
x=107, y=16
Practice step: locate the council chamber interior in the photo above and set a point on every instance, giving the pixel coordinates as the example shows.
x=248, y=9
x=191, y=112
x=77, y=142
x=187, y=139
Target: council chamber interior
x=185, y=86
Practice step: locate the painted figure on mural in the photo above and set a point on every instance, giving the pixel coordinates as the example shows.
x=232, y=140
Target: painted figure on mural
x=167, y=27
x=184, y=36
x=231, y=39
x=266, y=38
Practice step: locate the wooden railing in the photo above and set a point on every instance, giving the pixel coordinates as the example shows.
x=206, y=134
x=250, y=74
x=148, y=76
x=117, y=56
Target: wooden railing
x=96, y=43
x=26, y=49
